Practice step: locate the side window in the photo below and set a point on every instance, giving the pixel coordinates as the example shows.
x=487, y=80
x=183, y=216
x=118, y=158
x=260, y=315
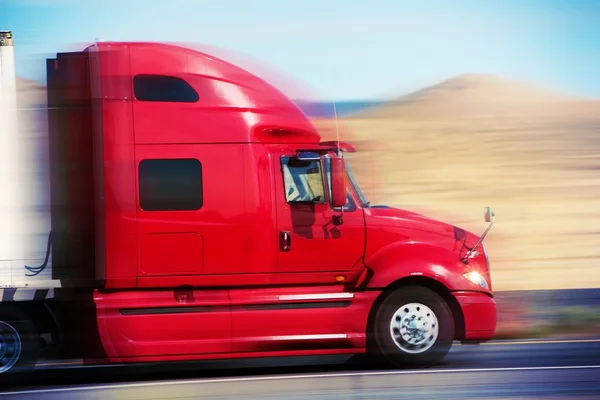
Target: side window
x=350, y=206
x=170, y=184
x=302, y=180
x=163, y=88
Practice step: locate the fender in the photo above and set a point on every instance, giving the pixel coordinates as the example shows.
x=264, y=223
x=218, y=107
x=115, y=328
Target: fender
x=403, y=259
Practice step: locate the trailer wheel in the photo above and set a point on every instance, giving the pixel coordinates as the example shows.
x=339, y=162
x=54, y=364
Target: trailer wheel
x=19, y=340
x=413, y=327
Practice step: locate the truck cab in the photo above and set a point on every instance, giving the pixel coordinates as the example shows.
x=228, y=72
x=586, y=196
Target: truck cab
x=209, y=220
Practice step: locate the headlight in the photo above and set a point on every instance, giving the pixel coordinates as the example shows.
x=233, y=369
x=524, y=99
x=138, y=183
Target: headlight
x=477, y=279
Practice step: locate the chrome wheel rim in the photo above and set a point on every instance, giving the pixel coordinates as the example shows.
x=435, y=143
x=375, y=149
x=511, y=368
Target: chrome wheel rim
x=10, y=346
x=414, y=328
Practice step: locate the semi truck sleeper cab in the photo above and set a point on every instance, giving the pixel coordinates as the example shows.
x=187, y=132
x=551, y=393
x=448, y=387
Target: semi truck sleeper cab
x=198, y=211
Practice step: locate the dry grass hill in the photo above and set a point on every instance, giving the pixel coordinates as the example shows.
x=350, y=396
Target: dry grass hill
x=476, y=140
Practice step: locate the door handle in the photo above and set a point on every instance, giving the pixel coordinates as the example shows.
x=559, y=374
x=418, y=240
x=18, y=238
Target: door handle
x=285, y=241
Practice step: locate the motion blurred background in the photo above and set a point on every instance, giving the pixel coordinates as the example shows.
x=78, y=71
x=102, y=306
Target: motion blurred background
x=453, y=106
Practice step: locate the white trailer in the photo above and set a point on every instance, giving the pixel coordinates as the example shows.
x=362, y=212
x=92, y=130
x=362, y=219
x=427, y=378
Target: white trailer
x=12, y=255
x=26, y=274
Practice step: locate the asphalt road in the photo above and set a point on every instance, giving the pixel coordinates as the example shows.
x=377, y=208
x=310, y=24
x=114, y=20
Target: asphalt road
x=515, y=370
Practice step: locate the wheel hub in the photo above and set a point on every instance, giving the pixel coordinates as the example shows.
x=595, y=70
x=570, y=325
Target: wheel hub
x=10, y=346
x=414, y=328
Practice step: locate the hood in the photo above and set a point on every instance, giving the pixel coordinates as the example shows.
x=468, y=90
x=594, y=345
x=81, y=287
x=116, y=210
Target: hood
x=392, y=224
x=385, y=216
x=390, y=230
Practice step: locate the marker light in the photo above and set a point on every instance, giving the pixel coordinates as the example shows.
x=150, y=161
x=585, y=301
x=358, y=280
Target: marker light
x=476, y=278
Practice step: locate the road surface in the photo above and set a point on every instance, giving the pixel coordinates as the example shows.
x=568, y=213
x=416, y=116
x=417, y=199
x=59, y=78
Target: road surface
x=498, y=370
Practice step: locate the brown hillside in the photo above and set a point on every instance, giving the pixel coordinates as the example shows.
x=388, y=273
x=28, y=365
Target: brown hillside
x=482, y=87
x=25, y=84
x=31, y=101
x=27, y=88
x=533, y=155
x=476, y=95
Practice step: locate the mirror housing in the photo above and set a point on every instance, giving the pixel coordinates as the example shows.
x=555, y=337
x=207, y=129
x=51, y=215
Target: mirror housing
x=338, y=182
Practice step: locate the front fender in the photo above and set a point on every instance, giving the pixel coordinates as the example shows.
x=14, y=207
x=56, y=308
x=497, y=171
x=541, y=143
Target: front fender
x=404, y=259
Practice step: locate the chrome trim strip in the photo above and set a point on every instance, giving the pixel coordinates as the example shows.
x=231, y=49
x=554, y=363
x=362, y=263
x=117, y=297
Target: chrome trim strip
x=310, y=337
x=316, y=296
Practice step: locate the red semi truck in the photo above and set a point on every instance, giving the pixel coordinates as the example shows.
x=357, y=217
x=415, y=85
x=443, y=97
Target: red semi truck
x=197, y=214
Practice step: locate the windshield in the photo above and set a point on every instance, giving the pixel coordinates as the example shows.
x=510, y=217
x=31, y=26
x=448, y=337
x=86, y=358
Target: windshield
x=357, y=189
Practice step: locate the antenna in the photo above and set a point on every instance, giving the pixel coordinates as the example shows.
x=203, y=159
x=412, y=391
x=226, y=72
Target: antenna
x=337, y=129
x=338, y=220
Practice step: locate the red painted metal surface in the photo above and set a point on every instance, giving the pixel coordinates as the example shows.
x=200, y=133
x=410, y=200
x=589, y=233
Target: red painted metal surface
x=234, y=107
x=291, y=319
x=338, y=182
x=246, y=273
x=401, y=244
x=479, y=311
x=143, y=324
x=316, y=243
x=158, y=325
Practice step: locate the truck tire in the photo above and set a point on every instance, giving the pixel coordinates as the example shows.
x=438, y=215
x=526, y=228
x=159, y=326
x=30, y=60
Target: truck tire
x=19, y=340
x=413, y=327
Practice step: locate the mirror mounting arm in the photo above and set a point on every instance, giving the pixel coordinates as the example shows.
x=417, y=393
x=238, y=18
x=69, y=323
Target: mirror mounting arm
x=338, y=219
x=489, y=218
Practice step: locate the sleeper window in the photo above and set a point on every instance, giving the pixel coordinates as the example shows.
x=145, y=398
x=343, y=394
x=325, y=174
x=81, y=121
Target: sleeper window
x=170, y=184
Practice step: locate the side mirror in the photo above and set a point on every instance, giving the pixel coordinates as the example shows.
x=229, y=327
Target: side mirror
x=338, y=182
x=489, y=215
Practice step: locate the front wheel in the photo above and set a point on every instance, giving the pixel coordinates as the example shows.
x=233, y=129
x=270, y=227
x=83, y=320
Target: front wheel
x=414, y=327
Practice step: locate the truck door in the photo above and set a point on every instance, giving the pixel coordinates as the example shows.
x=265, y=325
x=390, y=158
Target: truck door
x=310, y=238
x=190, y=225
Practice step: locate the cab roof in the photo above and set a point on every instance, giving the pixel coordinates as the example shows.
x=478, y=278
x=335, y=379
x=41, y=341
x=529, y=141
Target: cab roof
x=205, y=96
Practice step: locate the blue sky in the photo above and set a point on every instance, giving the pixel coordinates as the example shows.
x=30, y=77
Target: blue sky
x=340, y=49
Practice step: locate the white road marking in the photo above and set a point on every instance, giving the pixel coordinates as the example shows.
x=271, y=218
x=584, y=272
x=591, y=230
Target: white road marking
x=543, y=341
x=299, y=376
